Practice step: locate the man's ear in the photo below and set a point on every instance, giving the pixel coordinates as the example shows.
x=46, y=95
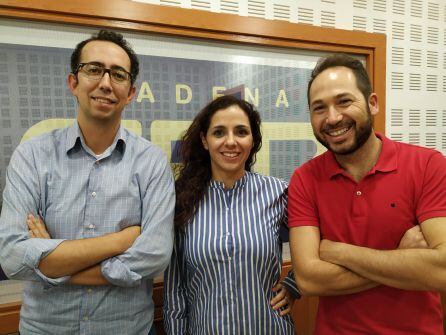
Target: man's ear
x=72, y=82
x=203, y=140
x=373, y=104
x=132, y=92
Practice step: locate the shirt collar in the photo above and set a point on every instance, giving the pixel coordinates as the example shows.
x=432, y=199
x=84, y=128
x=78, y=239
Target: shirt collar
x=239, y=183
x=387, y=160
x=75, y=139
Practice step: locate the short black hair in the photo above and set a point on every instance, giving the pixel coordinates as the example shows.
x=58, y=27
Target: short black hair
x=335, y=60
x=109, y=36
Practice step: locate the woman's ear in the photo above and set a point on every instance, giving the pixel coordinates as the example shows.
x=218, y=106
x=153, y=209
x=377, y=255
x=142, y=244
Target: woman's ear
x=203, y=140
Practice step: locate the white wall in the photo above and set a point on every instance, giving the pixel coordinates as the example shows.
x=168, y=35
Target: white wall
x=416, y=45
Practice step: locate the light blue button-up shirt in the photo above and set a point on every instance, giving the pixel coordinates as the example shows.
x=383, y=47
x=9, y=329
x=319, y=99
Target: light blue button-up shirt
x=81, y=195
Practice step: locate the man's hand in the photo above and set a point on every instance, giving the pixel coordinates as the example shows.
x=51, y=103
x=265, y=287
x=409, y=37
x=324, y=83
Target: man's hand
x=413, y=239
x=36, y=227
x=282, y=299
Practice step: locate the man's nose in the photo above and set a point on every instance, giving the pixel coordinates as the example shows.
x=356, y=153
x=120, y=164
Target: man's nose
x=105, y=82
x=333, y=116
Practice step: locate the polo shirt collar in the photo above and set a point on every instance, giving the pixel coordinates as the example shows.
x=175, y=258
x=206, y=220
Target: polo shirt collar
x=75, y=139
x=387, y=160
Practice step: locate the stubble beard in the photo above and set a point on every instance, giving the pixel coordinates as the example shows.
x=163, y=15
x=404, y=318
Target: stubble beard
x=362, y=134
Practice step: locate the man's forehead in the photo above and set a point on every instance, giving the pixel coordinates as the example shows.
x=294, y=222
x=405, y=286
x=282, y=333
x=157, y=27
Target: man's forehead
x=335, y=78
x=337, y=72
x=104, y=51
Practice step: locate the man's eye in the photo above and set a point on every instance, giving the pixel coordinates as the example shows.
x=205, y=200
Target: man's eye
x=94, y=69
x=345, y=102
x=317, y=109
x=119, y=75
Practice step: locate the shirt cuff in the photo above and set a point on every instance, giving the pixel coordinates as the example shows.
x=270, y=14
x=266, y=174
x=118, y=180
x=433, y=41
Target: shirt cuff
x=39, y=248
x=119, y=274
x=290, y=283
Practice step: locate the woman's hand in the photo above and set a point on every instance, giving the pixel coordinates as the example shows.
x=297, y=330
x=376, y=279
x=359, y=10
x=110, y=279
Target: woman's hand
x=283, y=299
x=36, y=227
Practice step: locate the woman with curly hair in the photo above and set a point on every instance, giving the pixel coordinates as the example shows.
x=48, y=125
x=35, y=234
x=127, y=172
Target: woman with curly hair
x=224, y=274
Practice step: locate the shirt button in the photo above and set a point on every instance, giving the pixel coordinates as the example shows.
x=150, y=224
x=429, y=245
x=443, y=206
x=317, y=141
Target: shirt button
x=358, y=193
x=85, y=318
x=230, y=258
x=227, y=208
x=97, y=162
x=93, y=194
x=89, y=290
x=228, y=233
x=91, y=226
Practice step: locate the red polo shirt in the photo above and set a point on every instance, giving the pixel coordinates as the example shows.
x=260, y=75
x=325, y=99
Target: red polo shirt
x=406, y=187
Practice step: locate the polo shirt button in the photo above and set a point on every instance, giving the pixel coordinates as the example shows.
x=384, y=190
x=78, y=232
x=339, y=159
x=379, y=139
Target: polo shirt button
x=358, y=193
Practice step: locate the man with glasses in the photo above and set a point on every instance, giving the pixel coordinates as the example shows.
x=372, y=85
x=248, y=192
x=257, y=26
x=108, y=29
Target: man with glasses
x=88, y=210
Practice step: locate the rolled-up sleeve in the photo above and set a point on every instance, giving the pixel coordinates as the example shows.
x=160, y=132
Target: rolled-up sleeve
x=175, y=298
x=20, y=255
x=150, y=253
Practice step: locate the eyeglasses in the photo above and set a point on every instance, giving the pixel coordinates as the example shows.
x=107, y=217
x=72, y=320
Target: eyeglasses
x=96, y=71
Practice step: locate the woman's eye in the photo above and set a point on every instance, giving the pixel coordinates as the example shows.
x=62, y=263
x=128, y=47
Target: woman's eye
x=242, y=132
x=218, y=133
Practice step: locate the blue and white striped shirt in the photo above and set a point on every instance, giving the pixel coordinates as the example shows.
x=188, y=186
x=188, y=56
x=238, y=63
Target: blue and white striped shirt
x=81, y=196
x=227, y=261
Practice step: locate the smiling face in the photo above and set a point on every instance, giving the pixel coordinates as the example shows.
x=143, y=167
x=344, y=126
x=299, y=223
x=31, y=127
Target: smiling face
x=101, y=100
x=340, y=116
x=229, y=141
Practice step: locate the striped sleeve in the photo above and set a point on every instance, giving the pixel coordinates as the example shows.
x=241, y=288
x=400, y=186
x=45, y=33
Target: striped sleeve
x=175, y=298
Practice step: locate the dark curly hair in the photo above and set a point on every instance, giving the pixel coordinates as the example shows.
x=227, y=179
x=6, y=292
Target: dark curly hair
x=109, y=36
x=194, y=174
x=335, y=60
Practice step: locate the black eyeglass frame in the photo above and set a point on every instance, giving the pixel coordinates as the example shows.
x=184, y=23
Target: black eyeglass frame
x=106, y=70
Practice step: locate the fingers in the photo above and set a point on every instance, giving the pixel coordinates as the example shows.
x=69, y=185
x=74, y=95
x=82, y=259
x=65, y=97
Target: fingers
x=281, y=300
x=37, y=227
x=281, y=303
x=277, y=287
x=286, y=311
x=279, y=296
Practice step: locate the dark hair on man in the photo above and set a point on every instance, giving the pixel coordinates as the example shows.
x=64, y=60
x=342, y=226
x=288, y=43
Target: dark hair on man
x=109, y=36
x=195, y=172
x=362, y=78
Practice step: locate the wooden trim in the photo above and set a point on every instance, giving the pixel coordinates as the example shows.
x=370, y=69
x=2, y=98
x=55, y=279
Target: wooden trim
x=189, y=23
x=9, y=317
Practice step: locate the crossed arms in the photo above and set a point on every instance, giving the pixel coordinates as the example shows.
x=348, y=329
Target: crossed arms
x=121, y=258
x=333, y=268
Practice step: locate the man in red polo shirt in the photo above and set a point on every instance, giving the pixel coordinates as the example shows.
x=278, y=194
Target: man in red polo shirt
x=350, y=207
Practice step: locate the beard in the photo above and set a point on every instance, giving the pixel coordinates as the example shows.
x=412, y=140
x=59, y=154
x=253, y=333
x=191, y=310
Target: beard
x=362, y=133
